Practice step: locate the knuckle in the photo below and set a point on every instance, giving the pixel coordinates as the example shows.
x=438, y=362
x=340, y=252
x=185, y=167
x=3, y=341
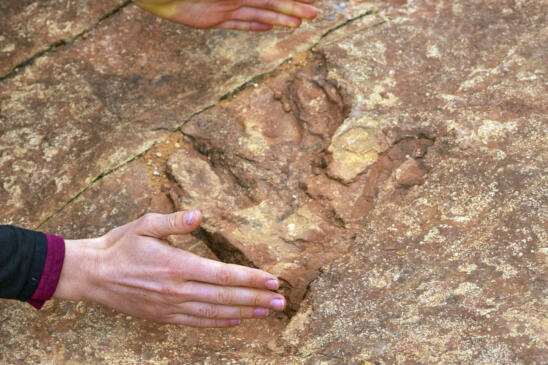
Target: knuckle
x=256, y=280
x=147, y=220
x=172, y=221
x=208, y=311
x=223, y=276
x=257, y=300
x=175, y=272
x=185, y=291
x=172, y=294
x=224, y=296
x=168, y=290
x=147, y=217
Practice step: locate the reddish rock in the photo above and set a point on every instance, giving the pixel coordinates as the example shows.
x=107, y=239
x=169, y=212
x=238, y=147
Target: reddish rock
x=315, y=175
x=410, y=173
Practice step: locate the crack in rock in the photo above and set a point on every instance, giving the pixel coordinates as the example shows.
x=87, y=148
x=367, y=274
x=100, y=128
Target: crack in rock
x=61, y=43
x=326, y=86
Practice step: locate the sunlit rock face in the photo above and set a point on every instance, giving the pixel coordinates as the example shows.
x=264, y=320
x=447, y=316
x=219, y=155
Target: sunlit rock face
x=386, y=161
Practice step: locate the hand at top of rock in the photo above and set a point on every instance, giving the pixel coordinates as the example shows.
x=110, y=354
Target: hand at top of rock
x=255, y=15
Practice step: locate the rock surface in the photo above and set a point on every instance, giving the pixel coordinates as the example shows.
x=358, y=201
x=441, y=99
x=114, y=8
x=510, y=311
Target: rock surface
x=31, y=27
x=105, y=98
x=393, y=174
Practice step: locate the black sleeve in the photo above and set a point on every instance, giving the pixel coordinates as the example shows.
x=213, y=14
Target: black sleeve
x=22, y=258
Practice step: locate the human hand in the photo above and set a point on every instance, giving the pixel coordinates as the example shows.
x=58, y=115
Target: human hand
x=257, y=15
x=131, y=269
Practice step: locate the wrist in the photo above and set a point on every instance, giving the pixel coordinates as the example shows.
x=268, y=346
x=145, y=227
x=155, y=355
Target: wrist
x=79, y=274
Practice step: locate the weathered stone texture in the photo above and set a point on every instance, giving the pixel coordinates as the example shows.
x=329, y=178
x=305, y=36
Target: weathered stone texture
x=29, y=27
x=394, y=177
x=455, y=270
x=105, y=98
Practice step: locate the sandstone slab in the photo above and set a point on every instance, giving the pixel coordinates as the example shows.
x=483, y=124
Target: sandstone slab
x=394, y=177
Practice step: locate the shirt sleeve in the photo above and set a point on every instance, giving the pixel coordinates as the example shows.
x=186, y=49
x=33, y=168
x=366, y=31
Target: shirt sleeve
x=30, y=264
x=51, y=273
x=22, y=257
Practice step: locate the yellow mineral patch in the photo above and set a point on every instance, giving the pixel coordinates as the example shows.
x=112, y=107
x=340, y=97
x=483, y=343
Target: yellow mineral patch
x=347, y=165
x=467, y=268
x=354, y=149
x=380, y=96
x=255, y=142
x=156, y=158
x=9, y=48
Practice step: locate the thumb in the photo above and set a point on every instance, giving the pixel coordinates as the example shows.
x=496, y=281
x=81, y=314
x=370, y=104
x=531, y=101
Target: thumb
x=162, y=225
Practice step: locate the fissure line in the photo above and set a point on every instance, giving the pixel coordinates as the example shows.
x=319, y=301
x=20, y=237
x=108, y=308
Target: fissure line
x=223, y=97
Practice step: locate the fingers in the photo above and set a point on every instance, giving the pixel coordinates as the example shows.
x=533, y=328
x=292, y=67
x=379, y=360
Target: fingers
x=214, y=294
x=287, y=7
x=241, y=25
x=162, y=225
x=213, y=315
x=216, y=311
x=201, y=322
x=197, y=268
x=250, y=14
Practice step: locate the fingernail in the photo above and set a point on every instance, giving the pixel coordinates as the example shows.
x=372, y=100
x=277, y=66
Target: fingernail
x=260, y=312
x=190, y=217
x=272, y=284
x=234, y=322
x=277, y=304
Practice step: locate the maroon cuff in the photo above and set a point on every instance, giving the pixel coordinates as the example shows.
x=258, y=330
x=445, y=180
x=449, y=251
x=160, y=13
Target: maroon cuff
x=51, y=272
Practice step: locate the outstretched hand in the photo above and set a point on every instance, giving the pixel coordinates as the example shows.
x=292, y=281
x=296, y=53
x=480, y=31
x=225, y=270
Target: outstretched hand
x=257, y=15
x=131, y=269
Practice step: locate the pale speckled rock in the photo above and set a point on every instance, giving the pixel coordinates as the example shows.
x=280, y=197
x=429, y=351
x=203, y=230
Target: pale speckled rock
x=453, y=271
